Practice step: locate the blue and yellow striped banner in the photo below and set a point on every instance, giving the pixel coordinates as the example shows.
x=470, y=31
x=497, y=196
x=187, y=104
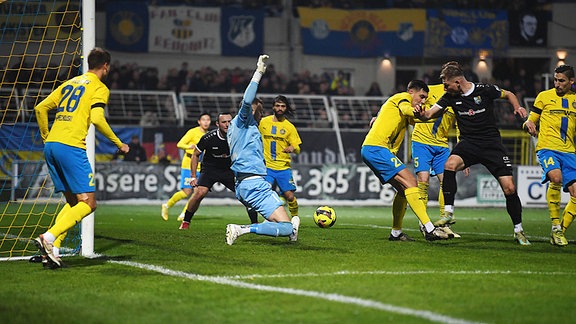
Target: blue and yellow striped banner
x=362, y=33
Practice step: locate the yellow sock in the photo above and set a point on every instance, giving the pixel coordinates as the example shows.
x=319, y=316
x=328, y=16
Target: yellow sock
x=569, y=213
x=441, y=200
x=61, y=237
x=553, y=199
x=293, y=207
x=70, y=218
x=423, y=190
x=176, y=198
x=418, y=207
x=398, y=211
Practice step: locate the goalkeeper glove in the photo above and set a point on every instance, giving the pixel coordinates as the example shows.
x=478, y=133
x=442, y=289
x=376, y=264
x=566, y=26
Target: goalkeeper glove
x=261, y=65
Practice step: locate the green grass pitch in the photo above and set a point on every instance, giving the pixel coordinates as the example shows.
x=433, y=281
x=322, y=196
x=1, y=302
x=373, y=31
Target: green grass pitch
x=151, y=272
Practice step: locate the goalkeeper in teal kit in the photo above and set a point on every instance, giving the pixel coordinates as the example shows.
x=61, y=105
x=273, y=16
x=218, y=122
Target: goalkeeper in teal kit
x=248, y=165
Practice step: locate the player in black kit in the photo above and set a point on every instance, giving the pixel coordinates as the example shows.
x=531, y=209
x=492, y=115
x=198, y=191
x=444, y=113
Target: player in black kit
x=479, y=141
x=215, y=167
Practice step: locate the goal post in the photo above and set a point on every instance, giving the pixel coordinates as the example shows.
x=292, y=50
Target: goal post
x=42, y=44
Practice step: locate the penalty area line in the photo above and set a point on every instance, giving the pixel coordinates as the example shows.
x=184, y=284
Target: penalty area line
x=428, y=315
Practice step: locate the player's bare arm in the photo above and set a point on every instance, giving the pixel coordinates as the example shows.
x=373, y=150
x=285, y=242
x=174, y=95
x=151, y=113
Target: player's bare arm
x=424, y=115
x=518, y=109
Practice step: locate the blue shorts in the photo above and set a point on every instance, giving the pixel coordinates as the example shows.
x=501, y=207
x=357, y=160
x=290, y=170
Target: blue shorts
x=281, y=178
x=382, y=162
x=186, y=177
x=552, y=160
x=256, y=193
x=429, y=158
x=69, y=168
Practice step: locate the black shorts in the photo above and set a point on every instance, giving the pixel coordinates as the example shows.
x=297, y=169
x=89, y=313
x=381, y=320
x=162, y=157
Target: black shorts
x=208, y=177
x=494, y=157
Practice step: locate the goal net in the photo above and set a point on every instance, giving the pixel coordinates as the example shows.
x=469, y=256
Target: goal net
x=40, y=47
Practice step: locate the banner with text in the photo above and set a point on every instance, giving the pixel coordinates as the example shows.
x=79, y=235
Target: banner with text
x=362, y=33
x=184, y=29
x=465, y=32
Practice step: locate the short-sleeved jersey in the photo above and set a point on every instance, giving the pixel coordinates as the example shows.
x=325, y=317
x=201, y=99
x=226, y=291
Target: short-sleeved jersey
x=434, y=132
x=74, y=99
x=557, y=117
x=245, y=139
x=191, y=137
x=276, y=136
x=474, y=112
x=216, y=151
x=390, y=125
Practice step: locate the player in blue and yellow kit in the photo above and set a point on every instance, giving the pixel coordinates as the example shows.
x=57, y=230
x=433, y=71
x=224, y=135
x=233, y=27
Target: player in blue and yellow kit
x=188, y=144
x=79, y=102
x=556, y=111
x=379, y=149
x=479, y=141
x=280, y=139
x=430, y=151
x=248, y=165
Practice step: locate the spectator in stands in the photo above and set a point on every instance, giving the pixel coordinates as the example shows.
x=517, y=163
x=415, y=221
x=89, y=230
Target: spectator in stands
x=149, y=119
x=161, y=157
x=137, y=152
x=340, y=84
x=374, y=90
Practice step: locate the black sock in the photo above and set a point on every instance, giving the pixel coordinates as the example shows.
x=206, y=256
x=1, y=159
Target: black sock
x=449, y=187
x=188, y=216
x=514, y=208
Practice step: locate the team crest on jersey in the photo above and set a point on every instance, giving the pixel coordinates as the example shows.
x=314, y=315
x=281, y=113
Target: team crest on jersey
x=478, y=100
x=241, y=32
x=573, y=104
x=282, y=131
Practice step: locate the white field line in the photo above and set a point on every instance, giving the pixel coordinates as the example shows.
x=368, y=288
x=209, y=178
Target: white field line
x=399, y=273
x=431, y=316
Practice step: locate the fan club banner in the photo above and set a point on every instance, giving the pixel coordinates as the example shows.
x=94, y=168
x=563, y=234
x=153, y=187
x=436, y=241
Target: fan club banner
x=136, y=27
x=362, y=33
x=465, y=32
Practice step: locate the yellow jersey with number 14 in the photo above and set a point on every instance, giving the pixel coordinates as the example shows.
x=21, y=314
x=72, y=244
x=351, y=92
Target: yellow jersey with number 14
x=557, y=117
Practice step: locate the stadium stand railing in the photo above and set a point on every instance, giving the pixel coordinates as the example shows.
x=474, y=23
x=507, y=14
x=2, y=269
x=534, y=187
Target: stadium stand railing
x=311, y=111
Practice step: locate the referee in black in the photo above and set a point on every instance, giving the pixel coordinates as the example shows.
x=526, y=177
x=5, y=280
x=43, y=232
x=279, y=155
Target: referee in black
x=216, y=164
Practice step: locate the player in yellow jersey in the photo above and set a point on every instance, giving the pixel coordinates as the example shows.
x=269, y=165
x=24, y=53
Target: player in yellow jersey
x=188, y=144
x=280, y=139
x=378, y=152
x=556, y=111
x=430, y=151
x=79, y=102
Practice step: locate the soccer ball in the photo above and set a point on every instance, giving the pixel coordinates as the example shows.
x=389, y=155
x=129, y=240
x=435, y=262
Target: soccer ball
x=325, y=216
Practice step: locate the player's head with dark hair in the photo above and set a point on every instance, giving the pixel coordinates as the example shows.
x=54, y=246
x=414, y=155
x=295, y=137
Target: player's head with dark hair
x=565, y=69
x=418, y=85
x=204, y=120
x=257, y=109
x=418, y=90
x=97, y=58
x=223, y=121
x=204, y=114
x=281, y=106
x=563, y=79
